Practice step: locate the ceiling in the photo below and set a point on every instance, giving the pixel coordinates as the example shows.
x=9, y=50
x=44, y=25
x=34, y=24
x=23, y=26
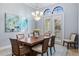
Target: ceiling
x=39, y=6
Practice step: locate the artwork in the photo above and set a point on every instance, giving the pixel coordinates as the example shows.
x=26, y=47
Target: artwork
x=15, y=23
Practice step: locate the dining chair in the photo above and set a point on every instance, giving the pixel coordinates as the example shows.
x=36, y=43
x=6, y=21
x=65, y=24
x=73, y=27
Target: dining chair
x=42, y=48
x=52, y=43
x=36, y=33
x=20, y=36
x=47, y=33
x=70, y=41
x=16, y=50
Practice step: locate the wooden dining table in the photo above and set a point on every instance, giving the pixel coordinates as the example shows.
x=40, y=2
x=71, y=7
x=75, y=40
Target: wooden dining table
x=32, y=41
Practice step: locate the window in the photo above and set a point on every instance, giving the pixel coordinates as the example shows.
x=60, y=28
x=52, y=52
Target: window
x=47, y=12
x=57, y=10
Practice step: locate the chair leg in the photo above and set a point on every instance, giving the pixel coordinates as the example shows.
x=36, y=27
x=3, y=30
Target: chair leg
x=54, y=49
x=42, y=54
x=74, y=45
x=67, y=45
x=63, y=43
x=47, y=53
x=12, y=54
x=70, y=45
x=50, y=50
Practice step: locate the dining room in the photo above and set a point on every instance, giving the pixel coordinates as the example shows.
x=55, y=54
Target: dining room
x=39, y=29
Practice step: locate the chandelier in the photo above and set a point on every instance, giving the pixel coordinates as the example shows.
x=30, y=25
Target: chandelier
x=37, y=15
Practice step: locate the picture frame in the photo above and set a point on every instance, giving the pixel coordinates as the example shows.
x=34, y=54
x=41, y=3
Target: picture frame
x=15, y=23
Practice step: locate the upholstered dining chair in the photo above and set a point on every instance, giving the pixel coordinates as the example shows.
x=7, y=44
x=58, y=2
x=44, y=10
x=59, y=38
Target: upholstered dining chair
x=36, y=33
x=20, y=36
x=16, y=50
x=42, y=48
x=71, y=40
x=47, y=33
x=52, y=43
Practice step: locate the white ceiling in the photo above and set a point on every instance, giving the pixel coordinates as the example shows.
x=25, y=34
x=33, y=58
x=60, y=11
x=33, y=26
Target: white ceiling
x=39, y=6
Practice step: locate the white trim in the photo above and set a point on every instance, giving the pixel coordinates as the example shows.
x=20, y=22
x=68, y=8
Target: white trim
x=5, y=47
x=5, y=50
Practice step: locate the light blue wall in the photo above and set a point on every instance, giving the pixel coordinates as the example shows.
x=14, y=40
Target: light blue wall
x=78, y=25
x=70, y=19
x=13, y=8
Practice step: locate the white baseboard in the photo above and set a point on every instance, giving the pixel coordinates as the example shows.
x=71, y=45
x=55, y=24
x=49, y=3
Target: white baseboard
x=5, y=47
x=5, y=50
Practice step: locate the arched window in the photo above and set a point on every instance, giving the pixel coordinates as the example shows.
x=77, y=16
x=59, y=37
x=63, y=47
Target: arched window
x=57, y=10
x=47, y=11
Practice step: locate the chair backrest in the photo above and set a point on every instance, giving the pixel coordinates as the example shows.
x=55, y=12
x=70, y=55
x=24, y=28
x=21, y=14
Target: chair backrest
x=76, y=41
x=47, y=33
x=20, y=36
x=15, y=46
x=45, y=44
x=36, y=33
x=52, y=40
x=73, y=36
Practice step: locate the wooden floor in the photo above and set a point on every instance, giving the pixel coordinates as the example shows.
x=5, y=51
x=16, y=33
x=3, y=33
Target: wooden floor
x=60, y=51
x=63, y=51
x=73, y=52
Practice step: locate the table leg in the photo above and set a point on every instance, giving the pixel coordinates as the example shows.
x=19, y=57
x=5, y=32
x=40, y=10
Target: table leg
x=67, y=45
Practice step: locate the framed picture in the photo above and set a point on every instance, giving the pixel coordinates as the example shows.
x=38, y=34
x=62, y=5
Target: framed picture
x=15, y=23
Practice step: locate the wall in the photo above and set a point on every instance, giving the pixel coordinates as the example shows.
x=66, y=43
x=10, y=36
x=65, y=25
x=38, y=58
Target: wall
x=70, y=19
x=14, y=8
x=78, y=18
x=78, y=25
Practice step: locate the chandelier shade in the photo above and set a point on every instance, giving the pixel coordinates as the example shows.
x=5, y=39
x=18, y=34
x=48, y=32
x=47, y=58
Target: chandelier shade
x=37, y=15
